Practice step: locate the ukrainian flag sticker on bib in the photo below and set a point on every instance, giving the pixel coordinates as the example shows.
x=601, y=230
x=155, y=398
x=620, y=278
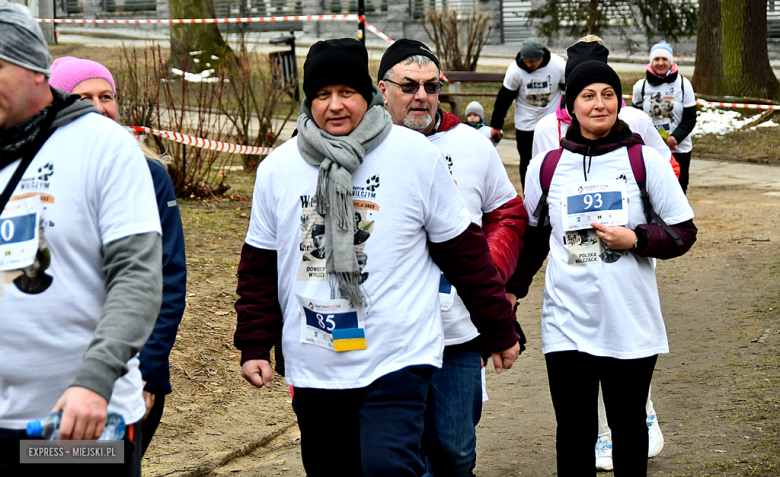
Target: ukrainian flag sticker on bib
x=332, y=324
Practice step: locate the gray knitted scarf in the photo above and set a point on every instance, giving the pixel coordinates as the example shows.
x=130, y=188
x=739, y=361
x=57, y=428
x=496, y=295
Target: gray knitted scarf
x=338, y=157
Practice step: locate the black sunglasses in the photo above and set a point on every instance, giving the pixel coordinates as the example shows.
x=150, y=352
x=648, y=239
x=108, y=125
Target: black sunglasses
x=412, y=88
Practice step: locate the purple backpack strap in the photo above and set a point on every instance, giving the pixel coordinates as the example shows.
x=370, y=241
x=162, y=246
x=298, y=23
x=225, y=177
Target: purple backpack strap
x=637, y=160
x=549, y=163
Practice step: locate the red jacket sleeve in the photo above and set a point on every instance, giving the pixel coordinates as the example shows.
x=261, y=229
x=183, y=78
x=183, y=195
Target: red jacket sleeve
x=466, y=262
x=259, y=313
x=504, y=229
x=675, y=166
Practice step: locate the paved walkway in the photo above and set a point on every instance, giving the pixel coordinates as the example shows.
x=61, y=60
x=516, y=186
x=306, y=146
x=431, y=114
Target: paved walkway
x=703, y=172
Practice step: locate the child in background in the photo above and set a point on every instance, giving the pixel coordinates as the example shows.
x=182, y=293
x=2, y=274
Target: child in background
x=474, y=118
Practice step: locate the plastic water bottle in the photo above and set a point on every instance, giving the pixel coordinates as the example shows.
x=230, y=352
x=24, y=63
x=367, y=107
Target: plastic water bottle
x=49, y=427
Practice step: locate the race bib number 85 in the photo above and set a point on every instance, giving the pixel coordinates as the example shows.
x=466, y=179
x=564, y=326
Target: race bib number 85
x=332, y=324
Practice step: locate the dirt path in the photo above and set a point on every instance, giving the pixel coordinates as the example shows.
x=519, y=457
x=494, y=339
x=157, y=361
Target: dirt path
x=717, y=394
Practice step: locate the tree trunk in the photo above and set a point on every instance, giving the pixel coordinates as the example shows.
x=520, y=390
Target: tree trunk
x=186, y=38
x=593, y=23
x=746, y=68
x=708, y=72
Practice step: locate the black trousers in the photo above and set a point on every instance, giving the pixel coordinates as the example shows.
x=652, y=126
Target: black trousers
x=684, y=158
x=152, y=421
x=10, y=466
x=373, y=431
x=525, y=147
x=574, y=386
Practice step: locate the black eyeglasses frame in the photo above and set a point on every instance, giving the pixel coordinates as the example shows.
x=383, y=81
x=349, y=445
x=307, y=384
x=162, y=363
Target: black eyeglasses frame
x=430, y=88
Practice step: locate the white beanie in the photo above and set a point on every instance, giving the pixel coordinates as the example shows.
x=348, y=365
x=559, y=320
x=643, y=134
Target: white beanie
x=663, y=49
x=475, y=108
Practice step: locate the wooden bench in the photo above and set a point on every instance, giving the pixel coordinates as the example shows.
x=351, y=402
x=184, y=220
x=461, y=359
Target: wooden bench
x=453, y=95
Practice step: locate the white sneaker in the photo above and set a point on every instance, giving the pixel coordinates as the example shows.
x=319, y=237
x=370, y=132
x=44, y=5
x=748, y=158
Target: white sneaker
x=655, y=437
x=604, y=454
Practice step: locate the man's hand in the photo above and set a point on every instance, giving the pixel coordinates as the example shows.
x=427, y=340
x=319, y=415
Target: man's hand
x=496, y=133
x=616, y=238
x=671, y=141
x=504, y=359
x=83, y=414
x=257, y=372
x=149, y=400
x=511, y=298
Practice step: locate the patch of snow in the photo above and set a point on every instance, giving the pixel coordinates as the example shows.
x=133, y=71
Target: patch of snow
x=718, y=121
x=768, y=124
x=203, y=77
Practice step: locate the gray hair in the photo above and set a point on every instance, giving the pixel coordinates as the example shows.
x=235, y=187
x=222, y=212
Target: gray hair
x=419, y=59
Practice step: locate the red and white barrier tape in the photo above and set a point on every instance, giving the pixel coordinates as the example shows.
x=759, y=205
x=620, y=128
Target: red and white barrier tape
x=296, y=18
x=701, y=102
x=381, y=35
x=737, y=105
x=375, y=31
x=205, y=143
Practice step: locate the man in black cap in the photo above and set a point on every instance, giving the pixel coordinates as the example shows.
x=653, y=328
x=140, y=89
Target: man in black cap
x=409, y=80
x=70, y=336
x=534, y=81
x=362, y=330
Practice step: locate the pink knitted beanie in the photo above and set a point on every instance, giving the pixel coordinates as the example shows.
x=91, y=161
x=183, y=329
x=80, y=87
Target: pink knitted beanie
x=67, y=72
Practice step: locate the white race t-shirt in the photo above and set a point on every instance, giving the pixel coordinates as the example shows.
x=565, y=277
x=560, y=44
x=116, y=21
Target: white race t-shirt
x=404, y=196
x=610, y=306
x=95, y=188
x=538, y=92
x=549, y=131
x=665, y=103
x=484, y=184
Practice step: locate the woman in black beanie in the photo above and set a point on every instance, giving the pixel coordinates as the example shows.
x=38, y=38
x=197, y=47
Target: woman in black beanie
x=601, y=318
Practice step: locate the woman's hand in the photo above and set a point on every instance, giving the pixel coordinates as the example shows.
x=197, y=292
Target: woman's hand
x=671, y=141
x=616, y=238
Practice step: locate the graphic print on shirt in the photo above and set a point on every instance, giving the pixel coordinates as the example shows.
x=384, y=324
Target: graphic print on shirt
x=586, y=248
x=538, y=92
x=662, y=112
x=24, y=255
x=312, y=266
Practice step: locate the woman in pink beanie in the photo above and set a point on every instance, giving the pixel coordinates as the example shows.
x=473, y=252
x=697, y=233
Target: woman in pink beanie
x=87, y=78
x=94, y=82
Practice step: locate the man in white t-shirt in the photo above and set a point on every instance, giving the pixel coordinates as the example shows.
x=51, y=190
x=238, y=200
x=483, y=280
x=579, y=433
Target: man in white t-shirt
x=455, y=397
x=360, y=316
x=534, y=82
x=80, y=275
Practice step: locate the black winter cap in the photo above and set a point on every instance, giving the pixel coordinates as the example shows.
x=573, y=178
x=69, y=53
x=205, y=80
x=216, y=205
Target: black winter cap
x=401, y=50
x=587, y=73
x=342, y=61
x=580, y=52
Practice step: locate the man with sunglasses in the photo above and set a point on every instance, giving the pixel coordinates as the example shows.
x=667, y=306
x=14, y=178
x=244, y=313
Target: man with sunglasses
x=409, y=80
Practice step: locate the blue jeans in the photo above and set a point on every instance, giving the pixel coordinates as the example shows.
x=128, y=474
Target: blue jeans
x=366, y=432
x=454, y=408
